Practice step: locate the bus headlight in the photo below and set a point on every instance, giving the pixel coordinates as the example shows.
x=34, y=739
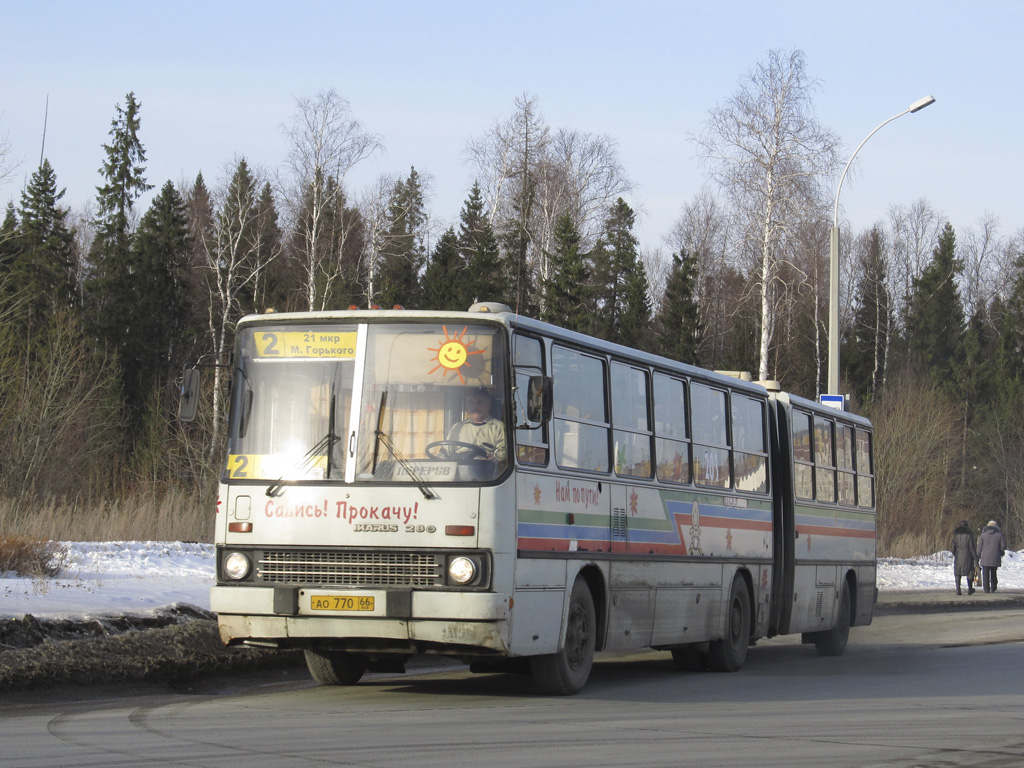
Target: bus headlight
x=236, y=566
x=462, y=570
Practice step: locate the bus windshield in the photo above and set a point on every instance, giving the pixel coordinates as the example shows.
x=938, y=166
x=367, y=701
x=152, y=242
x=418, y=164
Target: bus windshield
x=418, y=403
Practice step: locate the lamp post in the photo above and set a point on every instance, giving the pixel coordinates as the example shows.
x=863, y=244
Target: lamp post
x=833, y=306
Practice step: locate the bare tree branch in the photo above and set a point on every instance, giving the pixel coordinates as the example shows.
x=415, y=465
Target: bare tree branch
x=771, y=157
x=327, y=142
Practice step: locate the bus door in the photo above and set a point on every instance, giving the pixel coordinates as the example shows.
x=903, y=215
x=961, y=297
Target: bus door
x=783, y=512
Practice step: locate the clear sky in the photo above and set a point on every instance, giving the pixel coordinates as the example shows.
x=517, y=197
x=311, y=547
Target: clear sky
x=218, y=80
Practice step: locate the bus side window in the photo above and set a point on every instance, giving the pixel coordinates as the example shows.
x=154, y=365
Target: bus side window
x=825, y=465
x=750, y=449
x=631, y=422
x=803, y=459
x=672, y=441
x=580, y=419
x=710, y=438
x=865, y=470
x=844, y=463
x=532, y=443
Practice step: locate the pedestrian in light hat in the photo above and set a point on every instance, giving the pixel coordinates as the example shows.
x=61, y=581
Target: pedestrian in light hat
x=991, y=548
x=964, y=556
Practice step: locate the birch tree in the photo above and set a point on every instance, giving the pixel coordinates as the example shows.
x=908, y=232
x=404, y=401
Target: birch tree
x=375, y=209
x=327, y=142
x=771, y=157
x=981, y=250
x=530, y=176
x=702, y=230
x=233, y=256
x=915, y=230
x=7, y=163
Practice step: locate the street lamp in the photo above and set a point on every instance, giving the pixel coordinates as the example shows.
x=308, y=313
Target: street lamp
x=833, y=307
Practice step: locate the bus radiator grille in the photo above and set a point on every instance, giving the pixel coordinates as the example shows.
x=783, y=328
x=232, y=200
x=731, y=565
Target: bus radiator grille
x=325, y=567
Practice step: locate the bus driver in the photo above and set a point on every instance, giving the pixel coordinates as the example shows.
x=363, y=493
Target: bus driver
x=480, y=428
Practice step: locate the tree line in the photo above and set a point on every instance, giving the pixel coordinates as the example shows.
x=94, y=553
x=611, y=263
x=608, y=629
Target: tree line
x=102, y=308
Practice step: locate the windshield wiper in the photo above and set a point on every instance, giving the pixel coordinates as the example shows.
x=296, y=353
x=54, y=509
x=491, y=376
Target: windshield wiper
x=331, y=437
x=243, y=420
x=325, y=442
x=382, y=437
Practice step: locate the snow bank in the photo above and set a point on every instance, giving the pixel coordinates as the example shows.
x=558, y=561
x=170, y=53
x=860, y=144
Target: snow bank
x=139, y=577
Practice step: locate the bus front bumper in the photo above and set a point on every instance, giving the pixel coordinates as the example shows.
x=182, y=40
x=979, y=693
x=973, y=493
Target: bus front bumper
x=287, y=616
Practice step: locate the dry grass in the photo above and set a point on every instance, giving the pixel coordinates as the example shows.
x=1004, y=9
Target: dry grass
x=907, y=545
x=31, y=557
x=167, y=516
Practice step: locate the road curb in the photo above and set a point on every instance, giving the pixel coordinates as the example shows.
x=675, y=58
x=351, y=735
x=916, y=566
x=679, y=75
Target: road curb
x=897, y=603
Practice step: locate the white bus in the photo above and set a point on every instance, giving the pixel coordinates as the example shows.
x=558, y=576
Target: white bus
x=606, y=499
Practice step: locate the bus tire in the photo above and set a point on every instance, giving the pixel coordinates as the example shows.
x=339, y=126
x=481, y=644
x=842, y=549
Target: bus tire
x=729, y=653
x=335, y=667
x=565, y=672
x=832, y=642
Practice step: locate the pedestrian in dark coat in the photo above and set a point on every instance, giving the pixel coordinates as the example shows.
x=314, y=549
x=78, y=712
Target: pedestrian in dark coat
x=991, y=548
x=964, y=556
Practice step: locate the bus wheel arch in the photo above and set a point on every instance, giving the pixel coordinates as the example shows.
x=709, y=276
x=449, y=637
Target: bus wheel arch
x=832, y=642
x=566, y=671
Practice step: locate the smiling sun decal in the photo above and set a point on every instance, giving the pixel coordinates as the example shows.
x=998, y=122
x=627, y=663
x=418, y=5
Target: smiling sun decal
x=453, y=353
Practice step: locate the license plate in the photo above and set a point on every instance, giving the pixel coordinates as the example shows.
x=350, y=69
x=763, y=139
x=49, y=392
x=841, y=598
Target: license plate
x=341, y=602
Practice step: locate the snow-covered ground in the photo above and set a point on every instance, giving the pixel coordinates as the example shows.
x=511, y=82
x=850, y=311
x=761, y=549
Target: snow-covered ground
x=138, y=577
x=113, y=578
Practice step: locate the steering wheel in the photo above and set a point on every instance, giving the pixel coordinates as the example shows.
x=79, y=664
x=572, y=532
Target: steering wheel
x=456, y=450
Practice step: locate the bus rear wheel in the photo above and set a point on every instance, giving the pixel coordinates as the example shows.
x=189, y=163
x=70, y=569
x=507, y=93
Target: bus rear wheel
x=832, y=642
x=566, y=672
x=335, y=667
x=729, y=653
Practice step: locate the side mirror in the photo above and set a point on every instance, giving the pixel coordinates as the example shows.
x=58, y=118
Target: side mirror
x=538, y=399
x=189, y=402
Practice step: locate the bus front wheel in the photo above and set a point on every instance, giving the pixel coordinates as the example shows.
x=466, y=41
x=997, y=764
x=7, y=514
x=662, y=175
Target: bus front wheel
x=335, y=667
x=566, y=672
x=729, y=653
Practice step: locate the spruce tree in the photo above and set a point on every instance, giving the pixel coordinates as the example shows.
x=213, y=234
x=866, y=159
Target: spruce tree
x=41, y=266
x=8, y=234
x=111, y=304
x=635, y=321
x=478, y=246
x=620, y=280
x=977, y=374
x=124, y=173
x=199, y=212
x=935, y=316
x=404, y=255
x=516, y=273
x=270, y=291
x=679, y=329
x=154, y=352
x=444, y=280
x=1010, y=356
x=865, y=343
x=567, y=294
x=238, y=240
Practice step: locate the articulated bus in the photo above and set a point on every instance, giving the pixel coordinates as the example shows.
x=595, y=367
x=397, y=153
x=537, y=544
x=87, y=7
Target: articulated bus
x=605, y=499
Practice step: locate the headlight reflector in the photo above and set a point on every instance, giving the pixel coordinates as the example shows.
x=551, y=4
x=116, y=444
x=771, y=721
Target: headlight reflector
x=462, y=570
x=236, y=566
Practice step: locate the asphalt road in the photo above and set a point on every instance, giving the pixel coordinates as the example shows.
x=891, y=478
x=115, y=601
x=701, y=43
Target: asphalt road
x=929, y=683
